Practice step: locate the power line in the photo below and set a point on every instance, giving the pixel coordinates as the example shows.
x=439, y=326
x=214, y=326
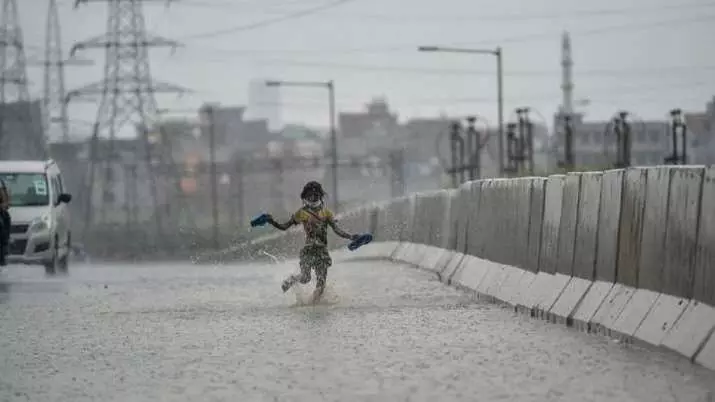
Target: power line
x=513, y=39
x=367, y=68
x=503, y=17
x=268, y=22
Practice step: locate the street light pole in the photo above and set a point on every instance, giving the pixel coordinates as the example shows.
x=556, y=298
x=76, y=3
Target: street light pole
x=500, y=106
x=330, y=85
x=498, y=53
x=333, y=145
x=209, y=115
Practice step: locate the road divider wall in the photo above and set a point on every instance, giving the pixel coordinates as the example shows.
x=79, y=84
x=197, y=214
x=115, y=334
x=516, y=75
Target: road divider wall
x=628, y=253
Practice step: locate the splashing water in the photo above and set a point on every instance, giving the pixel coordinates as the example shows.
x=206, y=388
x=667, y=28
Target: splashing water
x=304, y=295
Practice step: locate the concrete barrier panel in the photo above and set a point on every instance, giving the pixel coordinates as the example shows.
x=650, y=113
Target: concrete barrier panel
x=491, y=278
x=704, y=274
x=536, y=218
x=589, y=203
x=449, y=240
x=548, y=256
x=706, y=357
x=536, y=291
x=665, y=312
x=692, y=330
x=431, y=258
x=477, y=238
x=650, y=267
x=631, y=226
x=569, y=300
x=487, y=221
x=470, y=273
x=611, y=308
x=521, y=225
x=462, y=225
x=416, y=254
x=682, y=230
x=419, y=228
x=509, y=288
x=408, y=214
x=567, y=223
x=591, y=303
x=522, y=293
x=609, y=216
x=551, y=293
x=449, y=266
x=635, y=312
x=440, y=230
x=473, y=203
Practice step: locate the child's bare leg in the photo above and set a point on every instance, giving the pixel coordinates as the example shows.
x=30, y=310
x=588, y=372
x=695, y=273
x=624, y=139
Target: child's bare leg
x=321, y=275
x=303, y=277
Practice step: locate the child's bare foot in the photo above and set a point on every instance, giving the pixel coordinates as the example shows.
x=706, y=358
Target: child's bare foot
x=317, y=294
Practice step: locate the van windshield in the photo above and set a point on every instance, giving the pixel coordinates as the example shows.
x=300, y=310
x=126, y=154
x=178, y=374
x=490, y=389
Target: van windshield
x=26, y=189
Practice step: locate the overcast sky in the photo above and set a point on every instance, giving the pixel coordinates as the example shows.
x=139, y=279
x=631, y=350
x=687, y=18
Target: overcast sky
x=646, y=56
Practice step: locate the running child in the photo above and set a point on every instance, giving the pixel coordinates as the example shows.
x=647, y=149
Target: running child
x=315, y=218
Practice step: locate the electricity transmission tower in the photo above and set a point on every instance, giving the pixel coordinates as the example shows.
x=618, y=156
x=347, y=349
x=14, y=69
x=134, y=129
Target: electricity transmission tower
x=126, y=102
x=21, y=131
x=55, y=108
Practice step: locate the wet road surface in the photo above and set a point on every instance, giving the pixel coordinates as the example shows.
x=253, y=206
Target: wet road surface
x=385, y=333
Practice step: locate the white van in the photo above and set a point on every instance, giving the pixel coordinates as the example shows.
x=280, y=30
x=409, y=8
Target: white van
x=40, y=230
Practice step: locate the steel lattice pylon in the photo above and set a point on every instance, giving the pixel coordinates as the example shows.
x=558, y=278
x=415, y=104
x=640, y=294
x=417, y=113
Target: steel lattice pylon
x=55, y=108
x=127, y=101
x=21, y=133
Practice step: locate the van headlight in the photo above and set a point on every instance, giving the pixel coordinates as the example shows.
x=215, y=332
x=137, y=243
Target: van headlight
x=41, y=223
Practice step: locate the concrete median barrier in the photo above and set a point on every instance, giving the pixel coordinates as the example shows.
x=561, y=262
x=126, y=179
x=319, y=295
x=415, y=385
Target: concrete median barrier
x=692, y=330
x=440, y=215
x=586, y=228
x=592, y=301
x=481, y=234
x=469, y=273
x=609, y=216
x=665, y=313
x=567, y=223
x=451, y=267
x=681, y=230
x=548, y=256
x=475, y=218
x=536, y=218
x=631, y=226
x=458, y=220
x=608, y=312
x=522, y=209
x=652, y=253
x=704, y=256
x=625, y=253
x=634, y=313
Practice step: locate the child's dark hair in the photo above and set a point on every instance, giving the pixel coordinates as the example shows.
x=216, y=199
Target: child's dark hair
x=312, y=187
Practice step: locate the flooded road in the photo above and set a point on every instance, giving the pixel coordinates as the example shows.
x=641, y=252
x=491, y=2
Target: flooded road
x=386, y=333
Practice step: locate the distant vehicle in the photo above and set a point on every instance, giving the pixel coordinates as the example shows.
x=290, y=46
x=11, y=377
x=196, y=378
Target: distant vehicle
x=40, y=230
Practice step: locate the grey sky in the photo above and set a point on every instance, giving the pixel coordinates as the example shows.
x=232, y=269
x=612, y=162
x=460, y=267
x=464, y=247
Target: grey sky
x=655, y=58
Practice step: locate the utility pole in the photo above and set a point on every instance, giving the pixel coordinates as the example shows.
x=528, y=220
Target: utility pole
x=330, y=86
x=678, y=129
x=333, y=146
x=397, y=173
x=621, y=127
x=498, y=54
x=16, y=109
x=211, y=128
x=126, y=99
x=466, y=146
